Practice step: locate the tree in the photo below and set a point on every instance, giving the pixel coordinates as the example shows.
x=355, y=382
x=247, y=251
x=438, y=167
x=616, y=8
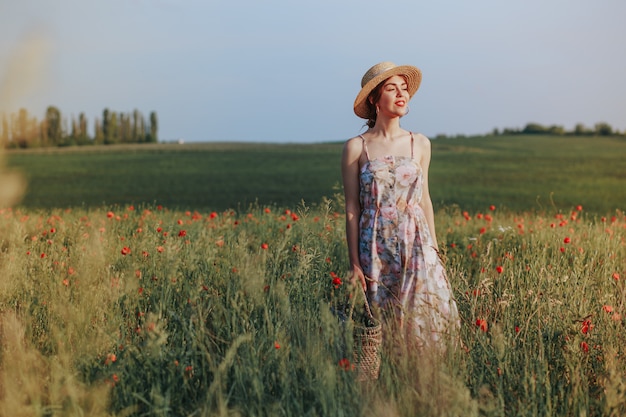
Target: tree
x=25, y=132
x=556, y=130
x=114, y=128
x=83, y=136
x=604, y=129
x=534, y=128
x=54, y=126
x=153, y=128
x=125, y=130
x=4, y=138
x=98, y=134
x=106, y=129
x=138, y=130
x=581, y=130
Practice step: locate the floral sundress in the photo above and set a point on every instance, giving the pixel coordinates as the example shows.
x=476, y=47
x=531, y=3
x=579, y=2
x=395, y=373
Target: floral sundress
x=405, y=275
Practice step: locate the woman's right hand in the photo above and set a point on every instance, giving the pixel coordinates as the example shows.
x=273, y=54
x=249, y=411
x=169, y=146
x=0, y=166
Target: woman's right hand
x=358, y=277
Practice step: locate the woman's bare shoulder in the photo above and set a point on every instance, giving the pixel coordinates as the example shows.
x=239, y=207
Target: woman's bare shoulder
x=421, y=143
x=421, y=139
x=353, y=145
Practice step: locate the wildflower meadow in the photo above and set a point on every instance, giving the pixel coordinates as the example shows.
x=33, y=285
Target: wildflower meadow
x=146, y=311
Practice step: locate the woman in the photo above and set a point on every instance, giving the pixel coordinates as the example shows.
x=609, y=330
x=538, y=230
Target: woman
x=390, y=227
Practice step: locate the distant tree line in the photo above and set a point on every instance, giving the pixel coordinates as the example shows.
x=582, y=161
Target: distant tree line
x=599, y=129
x=21, y=130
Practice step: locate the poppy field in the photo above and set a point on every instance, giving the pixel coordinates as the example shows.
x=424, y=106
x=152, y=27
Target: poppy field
x=140, y=308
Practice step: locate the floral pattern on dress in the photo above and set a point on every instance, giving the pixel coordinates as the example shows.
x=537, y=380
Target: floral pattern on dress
x=396, y=249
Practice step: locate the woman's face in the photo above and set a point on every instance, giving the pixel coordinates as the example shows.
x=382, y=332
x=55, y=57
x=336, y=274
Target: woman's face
x=394, y=97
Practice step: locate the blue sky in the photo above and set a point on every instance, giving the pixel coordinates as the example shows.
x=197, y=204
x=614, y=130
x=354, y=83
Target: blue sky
x=288, y=71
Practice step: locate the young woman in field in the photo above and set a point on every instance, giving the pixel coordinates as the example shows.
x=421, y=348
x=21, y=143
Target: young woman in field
x=390, y=225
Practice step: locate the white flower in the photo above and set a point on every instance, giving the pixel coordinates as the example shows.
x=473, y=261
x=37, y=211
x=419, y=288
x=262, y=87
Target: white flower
x=406, y=175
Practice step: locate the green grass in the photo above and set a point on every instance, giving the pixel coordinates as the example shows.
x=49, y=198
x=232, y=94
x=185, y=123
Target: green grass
x=111, y=305
x=228, y=314
x=204, y=176
x=530, y=172
x=517, y=172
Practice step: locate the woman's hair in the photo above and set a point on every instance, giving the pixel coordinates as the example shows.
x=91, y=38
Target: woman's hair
x=371, y=102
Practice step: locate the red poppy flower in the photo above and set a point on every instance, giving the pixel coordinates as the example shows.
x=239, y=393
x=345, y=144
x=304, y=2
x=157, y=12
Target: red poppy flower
x=182, y=233
x=584, y=347
x=586, y=327
x=264, y=246
x=499, y=269
x=482, y=324
x=492, y=207
x=345, y=364
x=567, y=240
x=125, y=250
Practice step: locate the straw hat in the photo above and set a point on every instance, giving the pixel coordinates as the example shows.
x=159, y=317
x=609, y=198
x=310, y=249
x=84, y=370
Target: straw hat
x=379, y=73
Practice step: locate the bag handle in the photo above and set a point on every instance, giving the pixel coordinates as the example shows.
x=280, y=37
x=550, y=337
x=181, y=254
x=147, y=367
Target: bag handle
x=365, y=302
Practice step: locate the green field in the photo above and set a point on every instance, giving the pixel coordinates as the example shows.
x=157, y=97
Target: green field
x=522, y=172
x=192, y=280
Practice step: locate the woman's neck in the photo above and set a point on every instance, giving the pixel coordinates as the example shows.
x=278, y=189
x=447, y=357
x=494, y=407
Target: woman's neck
x=389, y=129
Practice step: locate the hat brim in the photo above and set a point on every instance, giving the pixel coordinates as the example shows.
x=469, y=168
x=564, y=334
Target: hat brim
x=413, y=79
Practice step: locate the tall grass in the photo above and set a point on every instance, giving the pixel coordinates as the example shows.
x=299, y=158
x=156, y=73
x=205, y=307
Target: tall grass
x=137, y=311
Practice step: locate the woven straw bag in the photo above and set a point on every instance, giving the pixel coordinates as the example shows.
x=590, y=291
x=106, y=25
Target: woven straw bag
x=368, y=339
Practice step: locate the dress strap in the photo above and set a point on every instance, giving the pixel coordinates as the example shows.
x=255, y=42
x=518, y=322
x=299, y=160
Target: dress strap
x=367, y=154
x=411, y=144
